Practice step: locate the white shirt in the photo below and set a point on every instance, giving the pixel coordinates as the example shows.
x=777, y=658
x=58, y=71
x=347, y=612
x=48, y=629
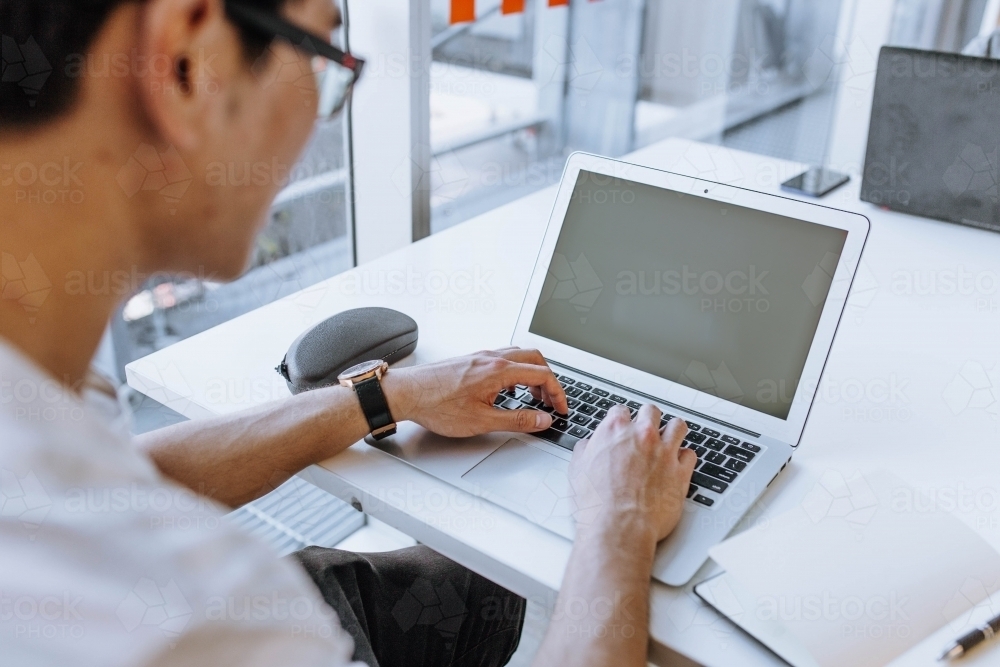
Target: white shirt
x=104, y=562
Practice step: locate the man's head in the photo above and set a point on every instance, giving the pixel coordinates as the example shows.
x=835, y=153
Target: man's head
x=130, y=87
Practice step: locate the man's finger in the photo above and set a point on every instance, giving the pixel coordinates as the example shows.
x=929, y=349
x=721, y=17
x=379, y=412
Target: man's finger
x=579, y=451
x=674, y=432
x=531, y=375
x=648, y=417
x=523, y=356
x=687, y=459
x=519, y=421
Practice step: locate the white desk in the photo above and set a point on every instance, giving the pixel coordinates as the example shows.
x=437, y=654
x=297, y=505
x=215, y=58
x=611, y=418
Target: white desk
x=912, y=384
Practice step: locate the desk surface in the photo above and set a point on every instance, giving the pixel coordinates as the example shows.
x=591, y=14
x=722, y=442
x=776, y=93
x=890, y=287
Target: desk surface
x=912, y=384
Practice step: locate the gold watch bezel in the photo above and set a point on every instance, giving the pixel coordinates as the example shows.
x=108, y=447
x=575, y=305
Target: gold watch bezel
x=364, y=371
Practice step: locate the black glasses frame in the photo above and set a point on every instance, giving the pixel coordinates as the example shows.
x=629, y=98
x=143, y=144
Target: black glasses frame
x=274, y=26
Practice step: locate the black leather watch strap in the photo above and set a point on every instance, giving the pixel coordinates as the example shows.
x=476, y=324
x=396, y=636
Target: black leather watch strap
x=375, y=407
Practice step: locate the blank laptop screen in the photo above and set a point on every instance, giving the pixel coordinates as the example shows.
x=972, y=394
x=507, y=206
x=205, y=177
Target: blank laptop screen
x=721, y=298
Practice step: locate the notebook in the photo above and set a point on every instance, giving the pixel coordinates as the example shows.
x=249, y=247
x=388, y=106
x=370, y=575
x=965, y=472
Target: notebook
x=865, y=570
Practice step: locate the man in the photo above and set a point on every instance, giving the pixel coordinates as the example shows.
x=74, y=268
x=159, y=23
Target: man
x=105, y=559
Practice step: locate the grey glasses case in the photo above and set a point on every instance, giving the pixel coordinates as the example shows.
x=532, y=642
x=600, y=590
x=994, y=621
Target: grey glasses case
x=322, y=353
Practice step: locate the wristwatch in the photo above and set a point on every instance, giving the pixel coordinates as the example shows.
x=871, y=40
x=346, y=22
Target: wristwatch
x=366, y=380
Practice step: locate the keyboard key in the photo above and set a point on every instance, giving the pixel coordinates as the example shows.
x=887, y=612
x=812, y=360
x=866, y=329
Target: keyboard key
x=696, y=438
x=573, y=403
x=718, y=459
x=712, y=443
x=560, y=424
x=752, y=447
x=579, y=432
x=692, y=490
x=499, y=400
x=594, y=424
x=720, y=473
x=710, y=483
x=531, y=401
x=565, y=379
x=693, y=427
x=556, y=438
x=666, y=417
x=511, y=404
x=584, y=386
x=741, y=454
x=710, y=433
x=735, y=465
x=700, y=451
x=587, y=397
x=730, y=439
x=587, y=409
x=573, y=392
x=600, y=414
x=634, y=405
x=602, y=393
x=704, y=500
x=605, y=404
x=582, y=420
x=546, y=408
x=617, y=399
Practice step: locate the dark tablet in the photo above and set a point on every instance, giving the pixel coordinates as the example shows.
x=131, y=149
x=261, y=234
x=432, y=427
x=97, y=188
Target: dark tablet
x=935, y=129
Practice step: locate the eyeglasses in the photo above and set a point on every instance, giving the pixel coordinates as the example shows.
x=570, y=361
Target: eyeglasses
x=336, y=72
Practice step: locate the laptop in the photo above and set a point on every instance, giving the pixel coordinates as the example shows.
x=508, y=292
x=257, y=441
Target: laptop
x=933, y=141
x=717, y=304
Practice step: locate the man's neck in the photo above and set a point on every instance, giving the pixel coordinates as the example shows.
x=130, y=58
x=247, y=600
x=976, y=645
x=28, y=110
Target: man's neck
x=59, y=253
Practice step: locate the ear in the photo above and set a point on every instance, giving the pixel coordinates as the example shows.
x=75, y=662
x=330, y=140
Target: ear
x=189, y=53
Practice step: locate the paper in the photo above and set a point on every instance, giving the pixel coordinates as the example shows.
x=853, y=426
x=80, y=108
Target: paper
x=863, y=569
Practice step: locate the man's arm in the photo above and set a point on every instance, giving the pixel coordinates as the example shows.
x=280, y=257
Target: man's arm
x=238, y=458
x=629, y=482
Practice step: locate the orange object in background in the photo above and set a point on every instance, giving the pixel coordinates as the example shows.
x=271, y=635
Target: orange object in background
x=463, y=11
x=511, y=6
x=556, y=3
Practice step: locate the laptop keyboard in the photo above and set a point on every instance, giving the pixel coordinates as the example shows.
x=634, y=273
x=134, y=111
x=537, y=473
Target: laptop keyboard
x=721, y=456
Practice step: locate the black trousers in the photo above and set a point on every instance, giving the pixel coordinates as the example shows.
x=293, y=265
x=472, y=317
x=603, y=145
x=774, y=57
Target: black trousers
x=415, y=607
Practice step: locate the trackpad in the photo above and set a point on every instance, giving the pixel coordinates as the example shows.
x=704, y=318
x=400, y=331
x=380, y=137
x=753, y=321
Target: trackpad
x=528, y=481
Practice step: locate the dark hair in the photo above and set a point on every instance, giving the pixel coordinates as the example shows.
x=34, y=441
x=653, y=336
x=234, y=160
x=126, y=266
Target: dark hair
x=39, y=40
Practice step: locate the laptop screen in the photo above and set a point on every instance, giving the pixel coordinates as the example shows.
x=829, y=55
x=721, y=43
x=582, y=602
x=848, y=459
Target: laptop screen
x=718, y=297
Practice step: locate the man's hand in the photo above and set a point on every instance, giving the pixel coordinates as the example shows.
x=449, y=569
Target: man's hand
x=455, y=397
x=629, y=482
x=631, y=476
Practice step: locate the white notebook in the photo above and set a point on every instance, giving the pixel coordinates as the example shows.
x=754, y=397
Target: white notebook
x=863, y=572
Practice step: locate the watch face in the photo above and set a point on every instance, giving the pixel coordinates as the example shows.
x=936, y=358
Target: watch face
x=361, y=369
